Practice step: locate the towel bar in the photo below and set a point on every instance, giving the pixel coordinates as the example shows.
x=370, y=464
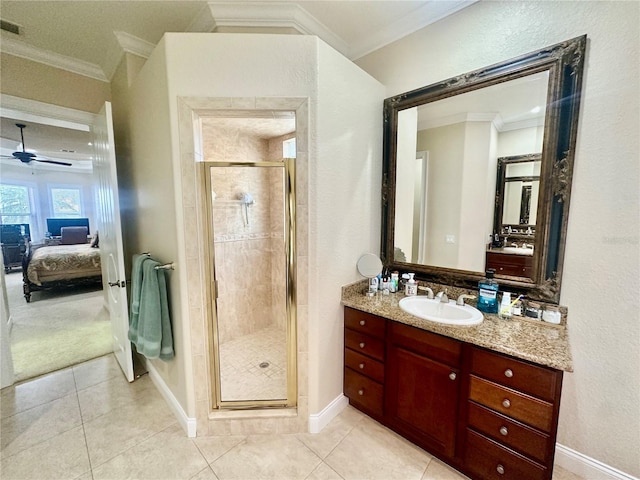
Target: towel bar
x=166, y=266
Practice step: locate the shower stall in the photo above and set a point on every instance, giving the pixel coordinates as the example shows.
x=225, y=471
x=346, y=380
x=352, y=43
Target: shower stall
x=251, y=237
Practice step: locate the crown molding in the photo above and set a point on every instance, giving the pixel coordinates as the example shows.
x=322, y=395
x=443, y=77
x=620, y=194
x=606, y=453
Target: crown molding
x=34, y=111
x=425, y=15
x=125, y=43
x=203, y=21
x=20, y=49
x=274, y=15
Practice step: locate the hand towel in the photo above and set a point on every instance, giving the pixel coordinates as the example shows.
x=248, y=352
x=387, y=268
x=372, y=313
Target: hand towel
x=152, y=334
x=136, y=287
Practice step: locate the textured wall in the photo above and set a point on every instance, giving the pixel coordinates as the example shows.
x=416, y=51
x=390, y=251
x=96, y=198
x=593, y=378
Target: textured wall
x=600, y=413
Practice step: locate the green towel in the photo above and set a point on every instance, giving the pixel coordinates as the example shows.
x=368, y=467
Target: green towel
x=150, y=325
x=136, y=287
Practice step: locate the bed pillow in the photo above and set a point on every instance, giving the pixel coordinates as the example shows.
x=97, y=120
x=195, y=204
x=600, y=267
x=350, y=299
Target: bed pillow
x=73, y=235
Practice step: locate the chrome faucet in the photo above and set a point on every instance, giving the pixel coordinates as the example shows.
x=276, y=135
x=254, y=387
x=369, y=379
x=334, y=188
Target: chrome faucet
x=461, y=298
x=426, y=289
x=442, y=296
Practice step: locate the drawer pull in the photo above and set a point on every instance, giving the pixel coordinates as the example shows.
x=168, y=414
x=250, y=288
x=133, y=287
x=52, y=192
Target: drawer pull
x=361, y=366
x=506, y=403
x=361, y=392
x=362, y=322
x=453, y=375
x=500, y=469
x=508, y=373
x=504, y=431
x=361, y=344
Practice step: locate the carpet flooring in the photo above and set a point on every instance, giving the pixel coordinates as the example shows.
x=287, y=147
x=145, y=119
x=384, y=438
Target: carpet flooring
x=57, y=329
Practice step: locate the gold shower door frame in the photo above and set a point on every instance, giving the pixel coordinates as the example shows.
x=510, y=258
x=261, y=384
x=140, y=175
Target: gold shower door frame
x=291, y=332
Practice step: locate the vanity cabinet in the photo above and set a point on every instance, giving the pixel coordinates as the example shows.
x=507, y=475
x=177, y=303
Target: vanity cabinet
x=364, y=361
x=423, y=386
x=510, y=264
x=487, y=414
x=511, y=417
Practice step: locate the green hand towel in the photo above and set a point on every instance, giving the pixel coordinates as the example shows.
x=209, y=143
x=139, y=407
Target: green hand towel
x=136, y=288
x=154, y=338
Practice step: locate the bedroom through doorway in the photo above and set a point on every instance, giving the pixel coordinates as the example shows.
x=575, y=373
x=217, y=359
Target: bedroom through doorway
x=57, y=329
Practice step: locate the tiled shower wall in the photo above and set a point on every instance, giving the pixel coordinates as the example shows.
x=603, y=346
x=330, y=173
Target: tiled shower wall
x=248, y=245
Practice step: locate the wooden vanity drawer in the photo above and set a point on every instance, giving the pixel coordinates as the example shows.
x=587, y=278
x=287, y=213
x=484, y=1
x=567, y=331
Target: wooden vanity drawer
x=530, y=410
x=508, y=432
x=488, y=460
x=364, y=365
x=522, y=376
x=434, y=346
x=364, y=322
x=364, y=344
x=363, y=392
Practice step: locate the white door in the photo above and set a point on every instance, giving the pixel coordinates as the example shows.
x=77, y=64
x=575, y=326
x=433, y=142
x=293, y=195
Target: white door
x=110, y=233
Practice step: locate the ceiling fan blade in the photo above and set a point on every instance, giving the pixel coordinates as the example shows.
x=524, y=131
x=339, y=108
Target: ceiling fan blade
x=52, y=161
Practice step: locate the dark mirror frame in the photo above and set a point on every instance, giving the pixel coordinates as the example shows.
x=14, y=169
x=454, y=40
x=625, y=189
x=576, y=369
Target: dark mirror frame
x=564, y=62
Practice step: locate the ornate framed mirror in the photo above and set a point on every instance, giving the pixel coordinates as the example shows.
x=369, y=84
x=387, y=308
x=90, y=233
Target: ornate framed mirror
x=447, y=148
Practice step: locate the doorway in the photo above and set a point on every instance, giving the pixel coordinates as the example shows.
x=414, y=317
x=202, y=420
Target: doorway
x=251, y=240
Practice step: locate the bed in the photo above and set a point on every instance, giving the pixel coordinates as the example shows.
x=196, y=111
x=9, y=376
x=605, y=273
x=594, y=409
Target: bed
x=72, y=263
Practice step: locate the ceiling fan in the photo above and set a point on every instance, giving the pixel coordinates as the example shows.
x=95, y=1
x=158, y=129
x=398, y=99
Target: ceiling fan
x=28, y=157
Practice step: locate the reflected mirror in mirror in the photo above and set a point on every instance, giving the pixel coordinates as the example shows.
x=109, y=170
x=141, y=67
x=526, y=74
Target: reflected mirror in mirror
x=447, y=164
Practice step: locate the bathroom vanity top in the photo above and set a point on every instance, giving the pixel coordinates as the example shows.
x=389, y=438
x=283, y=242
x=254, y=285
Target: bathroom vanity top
x=532, y=340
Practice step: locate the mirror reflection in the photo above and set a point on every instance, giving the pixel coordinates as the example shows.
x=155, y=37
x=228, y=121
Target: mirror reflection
x=446, y=203
x=447, y=175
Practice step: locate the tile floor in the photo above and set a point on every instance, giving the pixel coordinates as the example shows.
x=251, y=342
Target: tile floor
x=242, y=377
x=87, y=422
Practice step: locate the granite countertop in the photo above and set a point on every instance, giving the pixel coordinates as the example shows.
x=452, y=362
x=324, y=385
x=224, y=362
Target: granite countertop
x=532, y=340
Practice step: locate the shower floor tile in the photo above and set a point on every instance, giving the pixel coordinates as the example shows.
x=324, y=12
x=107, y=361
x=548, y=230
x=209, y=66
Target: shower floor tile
x=254, y=367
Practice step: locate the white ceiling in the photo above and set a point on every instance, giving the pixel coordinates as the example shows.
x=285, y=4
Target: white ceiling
x=89, y=37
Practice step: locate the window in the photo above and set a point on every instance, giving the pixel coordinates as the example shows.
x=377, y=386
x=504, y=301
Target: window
x=289, y=148
x=66, y=202
x=15, y=203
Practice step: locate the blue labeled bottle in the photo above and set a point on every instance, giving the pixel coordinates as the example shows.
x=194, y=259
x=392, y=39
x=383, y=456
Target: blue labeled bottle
x=488, y=293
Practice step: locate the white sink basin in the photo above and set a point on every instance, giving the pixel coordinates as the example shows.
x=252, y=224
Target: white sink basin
x=518, y=250
x=447, y=313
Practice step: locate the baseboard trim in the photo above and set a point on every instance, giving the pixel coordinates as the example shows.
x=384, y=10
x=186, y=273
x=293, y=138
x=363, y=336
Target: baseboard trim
x=587, y=467
x=318, y=421
x=186, y=422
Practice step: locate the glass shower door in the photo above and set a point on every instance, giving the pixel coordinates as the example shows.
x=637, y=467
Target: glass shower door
x=253, y=328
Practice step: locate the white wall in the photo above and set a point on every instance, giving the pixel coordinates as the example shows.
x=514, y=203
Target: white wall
x=344, y=208
x=599, y=415
x=405, y=180
x=343, y=215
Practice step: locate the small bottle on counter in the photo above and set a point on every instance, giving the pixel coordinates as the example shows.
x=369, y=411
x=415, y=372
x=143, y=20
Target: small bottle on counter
x=505, y=306
x=532, y=310
x=517, y=308
x=393, y=287
x=551, y=314
x=488, y=294
x=411, y=287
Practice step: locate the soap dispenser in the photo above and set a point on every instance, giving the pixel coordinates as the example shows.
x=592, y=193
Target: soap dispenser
x=488, y=293
x=411, y=287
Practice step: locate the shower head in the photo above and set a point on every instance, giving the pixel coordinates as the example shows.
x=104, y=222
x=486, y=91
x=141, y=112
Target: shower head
x=247, y=199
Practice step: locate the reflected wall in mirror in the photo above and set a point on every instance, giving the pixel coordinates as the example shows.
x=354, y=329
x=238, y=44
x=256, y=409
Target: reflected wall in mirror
x=454, y=149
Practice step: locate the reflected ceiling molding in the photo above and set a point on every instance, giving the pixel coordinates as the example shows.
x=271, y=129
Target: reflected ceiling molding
x=427, y=14
x=274, y=15
x=21, y=49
